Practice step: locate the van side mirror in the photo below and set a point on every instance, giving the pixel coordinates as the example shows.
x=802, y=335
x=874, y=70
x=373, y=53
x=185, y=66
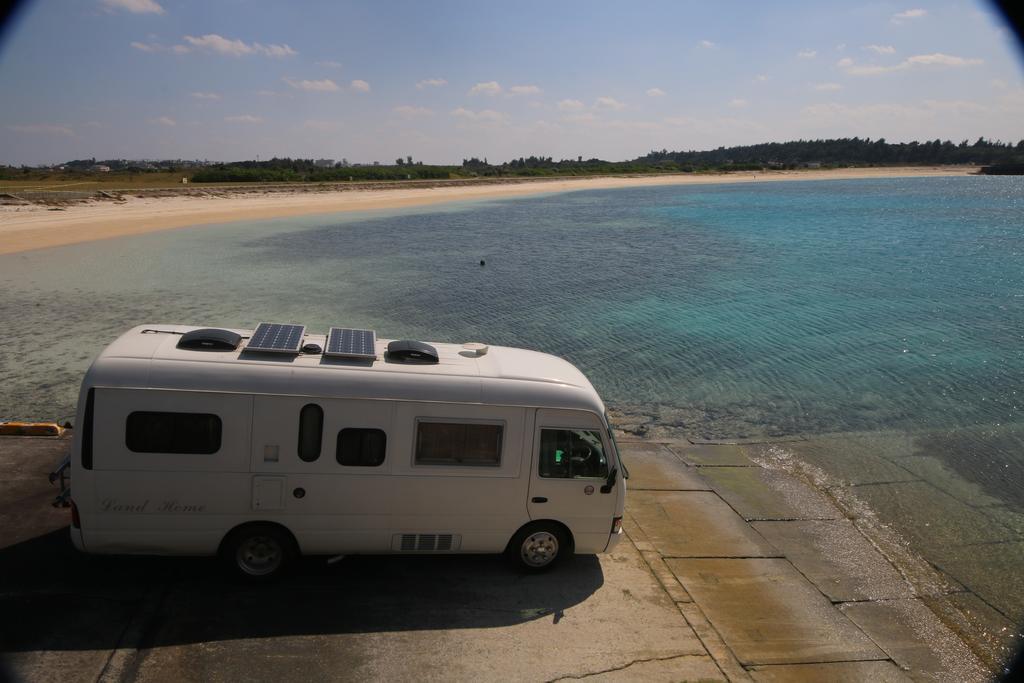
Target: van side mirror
x=610, y=482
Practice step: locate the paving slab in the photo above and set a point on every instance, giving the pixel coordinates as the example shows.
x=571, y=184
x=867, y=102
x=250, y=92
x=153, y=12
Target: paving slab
x=916, y=639
x=990, y=570
x=654, y=467
x=694, y=524
x=684, y=668
x=1010, y=517
x=990, y=634
x=845, y=461
x=768, y=613
x=835, y=672
x=936, y=473
x=710, y=455
x=445, y=618
x=931, y=519
x=837, y=559
x=761, y=494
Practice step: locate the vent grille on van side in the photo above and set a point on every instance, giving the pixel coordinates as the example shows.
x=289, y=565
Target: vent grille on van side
x=429, y=543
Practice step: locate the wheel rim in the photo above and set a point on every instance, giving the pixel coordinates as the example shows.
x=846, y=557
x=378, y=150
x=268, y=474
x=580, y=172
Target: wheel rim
x=539, y=549
x=259, y=555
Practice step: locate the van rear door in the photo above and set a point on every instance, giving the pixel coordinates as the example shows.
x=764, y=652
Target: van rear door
x=569, y=476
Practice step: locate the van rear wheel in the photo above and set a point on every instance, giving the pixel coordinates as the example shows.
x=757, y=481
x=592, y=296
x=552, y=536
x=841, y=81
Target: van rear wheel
x=259, y=552
x=539, y=547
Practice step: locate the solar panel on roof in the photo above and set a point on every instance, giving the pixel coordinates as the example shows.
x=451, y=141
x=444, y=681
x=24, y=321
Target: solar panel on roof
x=343, y=342
x=276, y=337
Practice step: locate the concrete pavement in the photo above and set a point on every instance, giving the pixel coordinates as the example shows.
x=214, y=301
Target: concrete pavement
x=730, y=572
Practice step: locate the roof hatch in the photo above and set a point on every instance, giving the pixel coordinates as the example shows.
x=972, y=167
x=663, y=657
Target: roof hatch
x=410, y=351
x=210, y=339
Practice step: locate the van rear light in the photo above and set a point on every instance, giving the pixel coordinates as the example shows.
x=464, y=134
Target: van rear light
x=616, y=525
x=76, y=523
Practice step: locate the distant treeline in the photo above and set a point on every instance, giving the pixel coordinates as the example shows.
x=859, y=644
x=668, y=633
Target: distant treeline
x=850, y=152
x=306, y=170
x=771, y=155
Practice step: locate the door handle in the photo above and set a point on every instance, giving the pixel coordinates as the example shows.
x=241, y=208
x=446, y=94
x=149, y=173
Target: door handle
x=539, y=499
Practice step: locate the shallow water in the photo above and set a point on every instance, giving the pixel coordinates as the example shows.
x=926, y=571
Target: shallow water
x=891, y=306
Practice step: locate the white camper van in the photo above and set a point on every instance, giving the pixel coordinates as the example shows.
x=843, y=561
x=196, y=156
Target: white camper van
x=263, y=445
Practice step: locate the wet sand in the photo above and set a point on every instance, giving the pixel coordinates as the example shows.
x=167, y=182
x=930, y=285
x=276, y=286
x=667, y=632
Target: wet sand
x=34, y=226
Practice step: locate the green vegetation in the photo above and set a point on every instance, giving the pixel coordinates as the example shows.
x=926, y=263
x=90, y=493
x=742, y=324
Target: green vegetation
x=120, y=173
x=775, y=155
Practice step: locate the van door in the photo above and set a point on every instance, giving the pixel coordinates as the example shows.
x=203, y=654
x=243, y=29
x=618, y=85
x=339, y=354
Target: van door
x=571, y=465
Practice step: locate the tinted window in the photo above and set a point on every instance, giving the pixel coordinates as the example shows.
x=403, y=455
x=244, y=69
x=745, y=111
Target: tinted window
x=361, y=447
x=311, y=426
x=454, y=443
x=192, y=433
x=572, y=454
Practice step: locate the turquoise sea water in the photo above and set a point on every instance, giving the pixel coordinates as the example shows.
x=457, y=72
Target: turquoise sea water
x=879, y=320
x=750, y=310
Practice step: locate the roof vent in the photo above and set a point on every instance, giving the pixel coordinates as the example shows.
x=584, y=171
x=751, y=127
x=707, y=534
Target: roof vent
x=476, y=347
x=409, y=351
x=210, y=339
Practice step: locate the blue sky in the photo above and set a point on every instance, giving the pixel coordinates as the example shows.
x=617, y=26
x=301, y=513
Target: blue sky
x=233, y=79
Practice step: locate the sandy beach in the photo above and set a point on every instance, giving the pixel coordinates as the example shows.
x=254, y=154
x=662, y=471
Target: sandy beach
x=35, y=226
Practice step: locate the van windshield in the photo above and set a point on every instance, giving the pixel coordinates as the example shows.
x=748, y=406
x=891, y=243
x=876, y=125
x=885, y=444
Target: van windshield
x=615, y=446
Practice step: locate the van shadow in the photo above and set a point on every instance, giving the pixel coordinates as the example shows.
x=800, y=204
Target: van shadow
x=56, y=598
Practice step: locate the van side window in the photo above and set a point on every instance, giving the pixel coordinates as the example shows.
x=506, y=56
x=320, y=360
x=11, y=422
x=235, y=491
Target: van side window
x=361, y=447
x=572, y=454
x=458, y=443
x=188, y=433
x=311, y=428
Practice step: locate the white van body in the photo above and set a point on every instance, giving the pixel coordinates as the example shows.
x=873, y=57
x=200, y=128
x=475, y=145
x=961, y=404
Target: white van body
x=132, y=498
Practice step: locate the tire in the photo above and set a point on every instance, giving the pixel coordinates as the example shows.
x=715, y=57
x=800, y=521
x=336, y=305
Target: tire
x=539, y=547
x=259, y=552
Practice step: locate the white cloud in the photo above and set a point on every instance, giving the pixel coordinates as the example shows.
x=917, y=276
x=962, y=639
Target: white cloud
x=330, y=64
x=935, y=59
x=431, y=83
x=237, y=48
x=163, y=121
x=243, y=118
x=828, y=87
x=360, y=85
x=900, y=17
x=707, y=45
x=482, y=116
x=410, y=112
x=761, y=78
x=44, y=128
x=881, y=49
x=608, y=103
x=157, y=47
x=488, y=88
x=807, y=54
x=655, y=92
x=133, y=6
x=524, y=90
x=323, y=85
x=570, y=105
x=844, y=63
x=678, y=121
x=944, y=60
x=738, y=103
x=205, y=95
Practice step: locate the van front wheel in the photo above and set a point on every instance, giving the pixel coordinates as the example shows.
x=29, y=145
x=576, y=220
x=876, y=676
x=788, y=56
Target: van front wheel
x=538, y=547
x=259, y=552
